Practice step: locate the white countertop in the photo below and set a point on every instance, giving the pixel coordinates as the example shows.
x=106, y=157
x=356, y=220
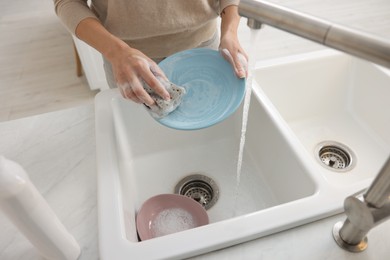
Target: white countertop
x=58, y=152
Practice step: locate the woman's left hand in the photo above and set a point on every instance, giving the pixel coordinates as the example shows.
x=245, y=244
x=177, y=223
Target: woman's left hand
x=229, y=45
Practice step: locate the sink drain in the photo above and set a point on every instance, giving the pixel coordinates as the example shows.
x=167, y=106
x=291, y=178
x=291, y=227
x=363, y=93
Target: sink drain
x=200, y=188
x=335, y=156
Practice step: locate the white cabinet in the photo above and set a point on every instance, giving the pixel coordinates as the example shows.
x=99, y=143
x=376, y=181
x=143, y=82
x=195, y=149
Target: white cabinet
x=92, y=62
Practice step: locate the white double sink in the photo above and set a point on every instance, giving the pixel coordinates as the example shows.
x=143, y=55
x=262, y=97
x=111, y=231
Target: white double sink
x=297, y=103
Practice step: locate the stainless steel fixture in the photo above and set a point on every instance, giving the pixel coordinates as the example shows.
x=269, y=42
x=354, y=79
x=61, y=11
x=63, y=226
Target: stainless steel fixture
x=335, y=156
x=363, y=212
x=354, y=42
x=199, y=187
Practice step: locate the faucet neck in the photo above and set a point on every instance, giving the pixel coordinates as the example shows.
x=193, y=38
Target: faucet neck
x=378, y=194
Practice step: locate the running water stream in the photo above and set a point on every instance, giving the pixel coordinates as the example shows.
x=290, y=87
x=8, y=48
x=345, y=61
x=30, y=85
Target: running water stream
x=247, y=100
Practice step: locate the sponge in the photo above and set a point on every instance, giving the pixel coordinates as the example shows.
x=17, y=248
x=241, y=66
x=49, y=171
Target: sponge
x=163, y=107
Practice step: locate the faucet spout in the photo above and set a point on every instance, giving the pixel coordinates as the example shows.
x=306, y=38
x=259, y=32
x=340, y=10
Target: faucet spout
x=254, y=24
x=364, y=213
x=332, y=35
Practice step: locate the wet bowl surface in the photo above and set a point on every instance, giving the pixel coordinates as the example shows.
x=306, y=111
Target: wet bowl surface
x=165, y=214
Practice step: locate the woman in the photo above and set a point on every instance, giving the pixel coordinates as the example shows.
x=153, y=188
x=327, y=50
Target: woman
x=133, y=35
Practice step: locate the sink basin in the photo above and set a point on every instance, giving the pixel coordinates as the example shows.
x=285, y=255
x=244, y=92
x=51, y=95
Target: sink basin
x=329, y=96
x=282, y=185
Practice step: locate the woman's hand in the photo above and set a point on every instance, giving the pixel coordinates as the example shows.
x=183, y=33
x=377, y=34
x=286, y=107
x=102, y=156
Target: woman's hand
x=229, y=44
x=240, y=64
x=130, y=66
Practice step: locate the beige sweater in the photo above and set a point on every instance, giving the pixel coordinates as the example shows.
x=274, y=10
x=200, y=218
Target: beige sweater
x=158, y=28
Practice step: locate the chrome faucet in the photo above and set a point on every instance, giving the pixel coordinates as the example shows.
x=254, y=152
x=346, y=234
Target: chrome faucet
x=357, y=43
x=363, y=212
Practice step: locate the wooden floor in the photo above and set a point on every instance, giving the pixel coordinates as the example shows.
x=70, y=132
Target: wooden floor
x=38, y=71
x=37, y=67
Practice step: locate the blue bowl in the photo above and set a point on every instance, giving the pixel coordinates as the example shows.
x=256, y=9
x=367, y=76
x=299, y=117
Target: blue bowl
x=213, y=90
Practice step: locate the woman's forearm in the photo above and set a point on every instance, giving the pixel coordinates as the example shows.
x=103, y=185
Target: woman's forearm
x=229, y=20
x=129, y=65
x=92, y=32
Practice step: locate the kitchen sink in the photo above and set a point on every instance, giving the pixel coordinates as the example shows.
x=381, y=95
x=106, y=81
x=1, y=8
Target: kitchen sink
x=298, y=105
x=331, y=99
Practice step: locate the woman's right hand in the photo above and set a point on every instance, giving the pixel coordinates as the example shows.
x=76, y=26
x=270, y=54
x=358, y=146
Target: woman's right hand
x=130, y=66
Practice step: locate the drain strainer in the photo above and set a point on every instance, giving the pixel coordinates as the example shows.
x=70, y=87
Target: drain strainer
x=335, y=156
x=200, y=188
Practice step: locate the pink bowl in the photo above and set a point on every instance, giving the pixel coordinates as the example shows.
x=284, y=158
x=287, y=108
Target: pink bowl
x=169, y=213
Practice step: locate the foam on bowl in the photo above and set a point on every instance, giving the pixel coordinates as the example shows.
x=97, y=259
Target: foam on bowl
x=165, y=214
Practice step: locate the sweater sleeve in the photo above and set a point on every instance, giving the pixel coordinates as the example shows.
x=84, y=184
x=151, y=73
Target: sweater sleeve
x=225, y=3
x=72, y=12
